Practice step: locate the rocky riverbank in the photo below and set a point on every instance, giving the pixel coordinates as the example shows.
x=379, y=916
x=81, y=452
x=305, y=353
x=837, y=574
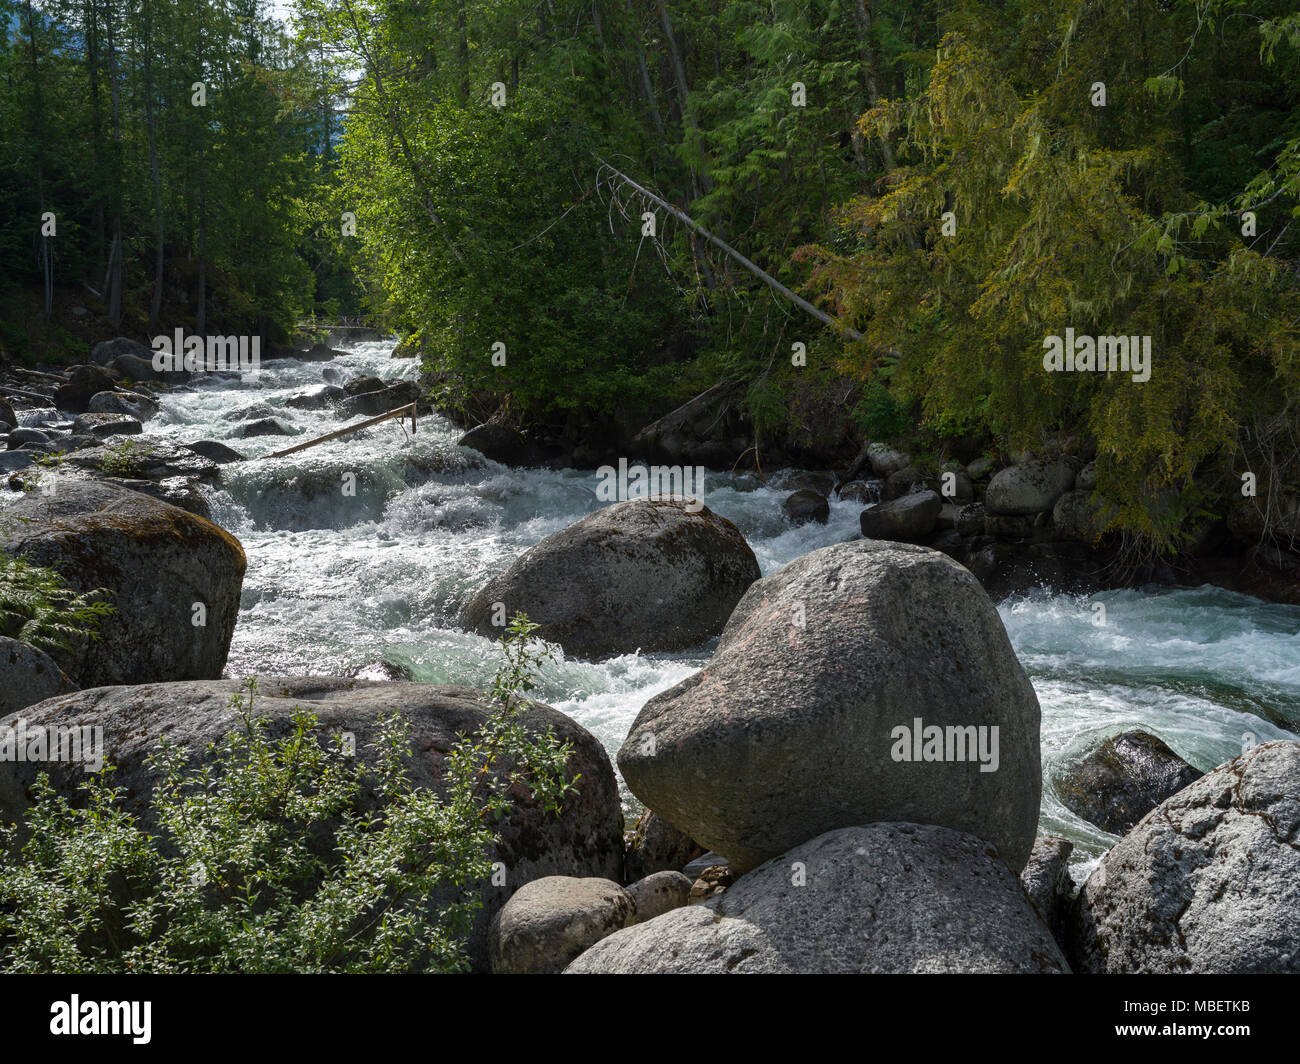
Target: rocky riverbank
x=852, y=782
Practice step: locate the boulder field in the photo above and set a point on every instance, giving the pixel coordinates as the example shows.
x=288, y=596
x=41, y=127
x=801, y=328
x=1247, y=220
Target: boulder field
x=881, y=898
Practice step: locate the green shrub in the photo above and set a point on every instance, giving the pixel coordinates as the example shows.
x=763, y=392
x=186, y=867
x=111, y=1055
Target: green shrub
x=233, y=876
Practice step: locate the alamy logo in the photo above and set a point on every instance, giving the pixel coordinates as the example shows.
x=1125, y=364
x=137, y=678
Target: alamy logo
x=68, y=743
x=642, y=482
x=1098, y=354
x=213, y=354
x=930, y=742
x=102, y=1017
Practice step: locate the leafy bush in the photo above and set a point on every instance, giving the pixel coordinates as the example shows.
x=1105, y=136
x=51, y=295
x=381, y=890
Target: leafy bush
x=233, y=876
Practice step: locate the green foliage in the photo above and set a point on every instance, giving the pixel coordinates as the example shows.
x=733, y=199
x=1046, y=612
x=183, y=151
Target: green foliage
x=37, y=608
x=122, y=459
x=280, y=851
x=1074, y=216
x=879, y=415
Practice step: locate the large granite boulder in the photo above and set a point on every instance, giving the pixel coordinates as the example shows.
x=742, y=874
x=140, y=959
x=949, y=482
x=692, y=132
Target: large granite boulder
x=1208, y=881
x=882, y=898
x=821, y=707
x=158, y=563
x=647, y=574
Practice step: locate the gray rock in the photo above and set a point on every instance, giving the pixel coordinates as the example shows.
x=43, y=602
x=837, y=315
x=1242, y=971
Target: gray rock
x=149, y=459
x=267, y=426
x=28, y=675
x=585, y=839
x=980, y=468
x=156, y=561
x=804, y=507
x=792, y=728
x=1047, y=882
x=548, y=922
x=83, y=382
x=885, y=460
x=20, y=437
x=107, y=425
x=380, y=401
x=860, y=491
x=327, y=395
x=1031, y=488
x=176, y=491
x=104, y=352
x=645, y=574
x=381, y=670
x=140, y=368
x=7, y=415
x=654, y=845
x=884, y=898
x=659, y=893
x=215, y=451
x=907, y=519
x=902, y=482
x=12, y=461
x=252, y=412
x=1123, y=779
x=500, y=443
x=133, y=404
x=1080, y=516
x=1208, y=881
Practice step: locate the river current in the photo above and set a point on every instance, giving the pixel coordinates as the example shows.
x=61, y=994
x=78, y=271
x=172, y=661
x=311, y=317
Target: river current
x=337, y=579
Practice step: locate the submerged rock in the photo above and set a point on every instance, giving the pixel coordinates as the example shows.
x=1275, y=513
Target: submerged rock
x=158, y=563
x=884, y=898
x=806, y=506
x=647, y=574
x=1207, y=882
x=1127, y=776
x=830, y=678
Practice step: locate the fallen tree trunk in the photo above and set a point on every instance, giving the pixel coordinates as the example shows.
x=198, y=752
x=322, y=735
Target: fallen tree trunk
x=762, y=275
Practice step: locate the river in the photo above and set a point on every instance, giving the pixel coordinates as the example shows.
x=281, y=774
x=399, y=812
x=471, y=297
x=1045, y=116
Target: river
x=336, y=580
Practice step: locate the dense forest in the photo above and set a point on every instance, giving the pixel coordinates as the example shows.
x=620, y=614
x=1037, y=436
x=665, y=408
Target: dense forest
x=945, y=184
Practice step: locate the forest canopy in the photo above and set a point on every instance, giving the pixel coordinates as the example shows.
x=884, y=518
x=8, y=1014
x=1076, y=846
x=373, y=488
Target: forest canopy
x=952, y=183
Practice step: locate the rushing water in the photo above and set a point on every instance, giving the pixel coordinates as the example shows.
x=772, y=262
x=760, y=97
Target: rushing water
x=336, y=580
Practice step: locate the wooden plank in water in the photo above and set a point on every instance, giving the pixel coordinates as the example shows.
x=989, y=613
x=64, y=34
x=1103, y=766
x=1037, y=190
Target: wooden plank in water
x=400, y=411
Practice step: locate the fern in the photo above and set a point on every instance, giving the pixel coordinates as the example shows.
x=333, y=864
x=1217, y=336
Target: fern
x=36, y=608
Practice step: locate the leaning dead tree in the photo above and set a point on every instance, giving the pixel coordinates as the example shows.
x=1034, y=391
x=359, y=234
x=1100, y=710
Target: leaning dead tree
x=608, y=173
